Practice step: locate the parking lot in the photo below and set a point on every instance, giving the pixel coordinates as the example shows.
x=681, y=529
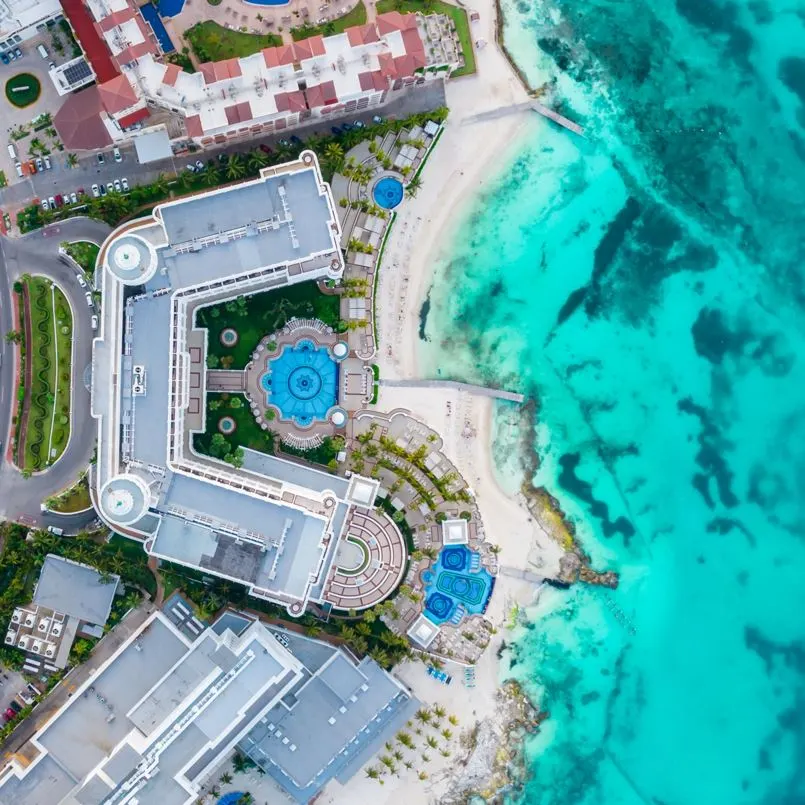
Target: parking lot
x=11, y=682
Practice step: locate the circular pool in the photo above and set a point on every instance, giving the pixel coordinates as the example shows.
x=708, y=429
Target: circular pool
x=388, y=192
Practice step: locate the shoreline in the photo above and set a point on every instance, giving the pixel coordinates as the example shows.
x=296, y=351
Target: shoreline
x=466, y=162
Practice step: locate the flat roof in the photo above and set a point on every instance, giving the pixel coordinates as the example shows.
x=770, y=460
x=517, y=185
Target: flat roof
x=76, y=590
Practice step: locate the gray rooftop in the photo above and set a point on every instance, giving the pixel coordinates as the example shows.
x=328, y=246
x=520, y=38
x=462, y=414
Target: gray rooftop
x=315, y=740
x=75, y=590
x=293, y=473
x=45, y=784
x=150, y=347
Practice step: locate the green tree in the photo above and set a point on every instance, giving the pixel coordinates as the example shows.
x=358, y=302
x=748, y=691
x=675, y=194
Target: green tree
x=235, y=168
x=257, y=159
x=413, y=186
x=14, y=337
x=219, y=446
x=72, y=160
x=334, y=157
x=210, y=175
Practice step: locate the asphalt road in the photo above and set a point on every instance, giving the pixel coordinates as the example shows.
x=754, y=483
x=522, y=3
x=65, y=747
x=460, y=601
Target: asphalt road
x=61, y=179
x=20, y=498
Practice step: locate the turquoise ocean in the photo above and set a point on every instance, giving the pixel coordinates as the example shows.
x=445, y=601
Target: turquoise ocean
x=647, y=286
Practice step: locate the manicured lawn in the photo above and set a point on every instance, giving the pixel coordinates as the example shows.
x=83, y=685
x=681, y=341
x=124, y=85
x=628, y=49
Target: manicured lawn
x=355, y=17
x=458, y=15
x=85, y=254
x=212, y=42
x=23, y=89
x=324, y=454
x=262, y=314
x=247, y=434
x=48, y=431
x=74, y=499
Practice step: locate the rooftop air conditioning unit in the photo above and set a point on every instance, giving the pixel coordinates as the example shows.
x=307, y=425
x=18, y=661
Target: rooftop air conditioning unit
x=56, y=630
x=10, y=637
x=23, y=643
x=16, y=616
x=30, y=619
x=37, y=647
x=138, y=388
x=139, y=369
x=50, y=650
x=43, y=624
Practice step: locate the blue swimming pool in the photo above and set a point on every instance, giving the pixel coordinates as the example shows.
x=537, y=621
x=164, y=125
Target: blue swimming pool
x=231, y=798
x=456, y=585
x=151, y=15
x=267, y=2
x=388, y=192
x=302, y=382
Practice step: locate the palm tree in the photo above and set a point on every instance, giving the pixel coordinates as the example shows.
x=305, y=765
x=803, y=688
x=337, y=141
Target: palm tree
x=444, y=752
x=379, y=655
x=423, y=775
x=386, y=761
x=160, y=184
x=334, y=156
x=425, y=757
x=397, y=755
x=210, y=174
x=364, y=629
x=72, y=160
x=372, y=773
x=453, y=720
x=246, y=799
x=431, y=742
x=408, y=764
x=235, y=168
x=439, y=711
x=225, y=778
x=413, y=186
x=422, y=715
x=186, y=179
x=241, y=763
x=257, y=159
x=447, y=734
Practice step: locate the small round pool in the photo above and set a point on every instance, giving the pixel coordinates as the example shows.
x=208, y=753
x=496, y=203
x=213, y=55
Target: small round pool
x=388, y=192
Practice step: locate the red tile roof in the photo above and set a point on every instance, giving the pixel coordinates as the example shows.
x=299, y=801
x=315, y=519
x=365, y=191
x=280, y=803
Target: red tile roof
x=413, y=44
x=239, y=112
x=135, y=117
x=286, y=54
x=220, y=70
x=291, y=101
x=271, y=57
x=394, y=21
x=321, y=95
x=373, y=81
x=80, y=123
x=94, y=47
x=308, y=48
x=117, y=94
x=171, y=74
x=386, y=63
x=362, y=34
x=193, y=125
x=116, y=17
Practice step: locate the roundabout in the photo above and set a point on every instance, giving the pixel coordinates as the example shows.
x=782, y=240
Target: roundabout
x=22, y=90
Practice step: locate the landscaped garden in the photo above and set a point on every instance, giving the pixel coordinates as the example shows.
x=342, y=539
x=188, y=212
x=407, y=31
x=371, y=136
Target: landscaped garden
x=458, y=15
x=253, y=317
x=247, y=432
x=51, y=327
x=74, y=499
x=84, y=253
x=212, y=42
x=356, y=16
x=22, y=90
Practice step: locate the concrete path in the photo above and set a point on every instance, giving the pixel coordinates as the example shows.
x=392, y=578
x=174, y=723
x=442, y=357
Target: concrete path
x=500, y=394
x=38, y=252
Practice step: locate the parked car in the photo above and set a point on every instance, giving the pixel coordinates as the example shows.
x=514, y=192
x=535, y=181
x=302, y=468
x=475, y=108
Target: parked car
x=124, y=182
x=15, y=706
x=191, y=167
x=80, y=280
x=12, y=55
x=101, y=160
x=94, y=322
x=295, y=139
x=96, y=191
x=52, y=65
x=48, y=166
x=17, y=53
x=40, y=166
x=117, y=155
x=9, y=715
x=45, y=204
x=103, y=190
x=59, y=200
x=377, y=119
x=52, y=203
x=4, y=58
x=118, y=187
x=73, y=198
x=335, y=130
x=359, y=124
x=31, y=166
x=81, y=191
x=88, y=297
x=199, y=165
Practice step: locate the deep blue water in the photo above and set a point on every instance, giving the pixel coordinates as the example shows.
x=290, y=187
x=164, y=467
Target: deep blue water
x=646, y=287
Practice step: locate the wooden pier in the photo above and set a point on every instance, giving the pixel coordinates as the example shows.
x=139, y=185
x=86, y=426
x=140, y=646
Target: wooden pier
x=532, y=105
x=499, y=394
x=557, y=118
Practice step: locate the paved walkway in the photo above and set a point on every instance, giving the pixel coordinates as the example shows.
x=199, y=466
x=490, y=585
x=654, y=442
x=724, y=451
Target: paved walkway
x=387, y=555
x=484, y=391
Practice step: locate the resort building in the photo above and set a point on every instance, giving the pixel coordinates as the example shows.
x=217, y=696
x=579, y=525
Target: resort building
x=270, y=91
x=70, y=599
x=282, y=529
x=162, y=714
x=24, y=19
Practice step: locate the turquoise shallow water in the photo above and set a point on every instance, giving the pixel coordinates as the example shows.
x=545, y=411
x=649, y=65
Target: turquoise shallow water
x=647, y=287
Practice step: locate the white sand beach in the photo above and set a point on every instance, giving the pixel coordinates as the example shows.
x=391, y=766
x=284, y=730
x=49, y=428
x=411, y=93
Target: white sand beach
x=468, y=156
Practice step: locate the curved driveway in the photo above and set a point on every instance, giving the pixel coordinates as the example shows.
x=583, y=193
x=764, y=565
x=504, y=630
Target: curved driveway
x=39, y=253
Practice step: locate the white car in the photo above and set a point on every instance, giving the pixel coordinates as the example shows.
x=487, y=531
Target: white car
x=73, y=198
x=47, y=163
x=118, y=156
x=118, y=186
x=94, y=322
x=80, y=280
x=125, y=184
x=199, y=165
x=96, y=191
x=88, y=297
x=45, y=204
